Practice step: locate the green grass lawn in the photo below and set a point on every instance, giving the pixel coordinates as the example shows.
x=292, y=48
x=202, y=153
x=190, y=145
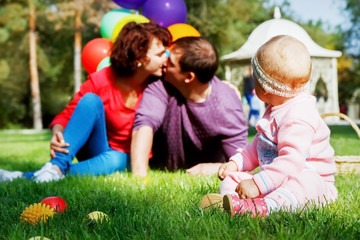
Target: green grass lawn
x=164, y=207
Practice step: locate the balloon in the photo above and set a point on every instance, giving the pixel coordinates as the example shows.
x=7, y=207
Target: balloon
x=165, y=12
x=130, y=4
x=104, y=63
x=110, y=19
x=179, y=30
x=130, y=18
x=95, y=51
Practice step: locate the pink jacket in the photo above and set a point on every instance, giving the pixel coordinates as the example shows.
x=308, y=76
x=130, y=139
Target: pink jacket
x=291, y=137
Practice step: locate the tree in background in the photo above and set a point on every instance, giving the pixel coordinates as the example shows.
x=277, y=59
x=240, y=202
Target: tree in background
x=55, y=56
x=14, y=64
x=78, y=12
x=34, y=76
x=77, y=44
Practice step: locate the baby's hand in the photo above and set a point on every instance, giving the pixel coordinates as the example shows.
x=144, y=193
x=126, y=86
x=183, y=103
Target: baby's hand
x=247, y=189
x=226, y=168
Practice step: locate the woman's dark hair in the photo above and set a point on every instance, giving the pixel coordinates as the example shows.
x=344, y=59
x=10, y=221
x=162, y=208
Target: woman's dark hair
x=132, y=44
x=198, y=56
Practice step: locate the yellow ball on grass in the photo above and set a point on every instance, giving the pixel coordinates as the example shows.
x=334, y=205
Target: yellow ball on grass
x=39, y=238
x=96, y=217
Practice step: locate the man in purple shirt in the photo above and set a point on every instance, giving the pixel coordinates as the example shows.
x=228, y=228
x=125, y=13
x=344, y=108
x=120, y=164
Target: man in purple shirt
x=195, y=120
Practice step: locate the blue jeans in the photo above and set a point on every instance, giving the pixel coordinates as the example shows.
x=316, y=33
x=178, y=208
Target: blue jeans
x=254, y=113
x=86, y=134
x=248, y=99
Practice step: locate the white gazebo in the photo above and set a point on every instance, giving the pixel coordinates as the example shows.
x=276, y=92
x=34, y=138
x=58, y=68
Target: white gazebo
x=324, y=63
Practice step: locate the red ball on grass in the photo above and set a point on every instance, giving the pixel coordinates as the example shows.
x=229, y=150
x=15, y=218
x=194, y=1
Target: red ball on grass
x=58, y=204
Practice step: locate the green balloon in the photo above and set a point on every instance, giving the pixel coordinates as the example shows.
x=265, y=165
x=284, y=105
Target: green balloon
x=104, y=63
x=110, y=19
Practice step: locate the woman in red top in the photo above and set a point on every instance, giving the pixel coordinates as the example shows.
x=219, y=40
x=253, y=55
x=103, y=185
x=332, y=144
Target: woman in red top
x=96, y=125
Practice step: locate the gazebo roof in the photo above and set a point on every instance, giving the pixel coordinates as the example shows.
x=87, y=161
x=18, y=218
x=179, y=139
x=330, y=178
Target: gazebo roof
x=272, y=28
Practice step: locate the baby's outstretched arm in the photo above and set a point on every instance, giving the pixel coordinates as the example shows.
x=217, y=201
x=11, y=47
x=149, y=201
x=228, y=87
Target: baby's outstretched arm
x=226, y=168
x=247, y=189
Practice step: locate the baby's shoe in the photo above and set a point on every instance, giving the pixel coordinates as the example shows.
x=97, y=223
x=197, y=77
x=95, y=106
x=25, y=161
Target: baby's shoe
x=211, y=200
x=10, y=175
x=47, y=174
x=236, y=206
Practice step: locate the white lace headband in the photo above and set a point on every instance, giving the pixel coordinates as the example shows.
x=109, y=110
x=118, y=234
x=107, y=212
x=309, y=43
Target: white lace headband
x=271, y=85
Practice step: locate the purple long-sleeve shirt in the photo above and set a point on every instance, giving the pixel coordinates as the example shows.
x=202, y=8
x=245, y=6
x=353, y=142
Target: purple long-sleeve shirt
x=188, y=133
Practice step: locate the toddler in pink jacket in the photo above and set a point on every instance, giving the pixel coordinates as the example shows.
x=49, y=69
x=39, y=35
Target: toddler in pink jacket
x=292, y=145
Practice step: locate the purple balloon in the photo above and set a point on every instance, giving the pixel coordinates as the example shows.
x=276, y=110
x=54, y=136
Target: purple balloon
x=165, y=12
x=130, y=4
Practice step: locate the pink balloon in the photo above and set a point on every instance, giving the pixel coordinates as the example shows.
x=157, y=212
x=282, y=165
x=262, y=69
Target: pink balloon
x=94, y=52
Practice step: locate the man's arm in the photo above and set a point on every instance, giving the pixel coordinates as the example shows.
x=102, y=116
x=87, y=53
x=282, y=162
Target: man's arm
x=204, y=169
x=149, y=117
x=141, y=144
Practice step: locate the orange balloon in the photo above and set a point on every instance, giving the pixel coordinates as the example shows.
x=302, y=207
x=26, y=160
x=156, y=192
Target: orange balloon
x=180, y=30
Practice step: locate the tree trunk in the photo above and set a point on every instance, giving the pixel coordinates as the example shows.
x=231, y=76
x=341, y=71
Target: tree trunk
x=34, y=77
x=77, y=46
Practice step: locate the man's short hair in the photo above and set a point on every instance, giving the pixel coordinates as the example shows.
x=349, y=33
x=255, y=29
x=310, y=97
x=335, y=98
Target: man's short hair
x=198, y=56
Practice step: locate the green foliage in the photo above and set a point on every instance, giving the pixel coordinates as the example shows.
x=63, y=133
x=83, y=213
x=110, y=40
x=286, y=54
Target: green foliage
x=166, y=206
x=227, y=24
x=350, y=83
x=13, y=25
x=55, y=41
x=353, y=34
x=351, y=76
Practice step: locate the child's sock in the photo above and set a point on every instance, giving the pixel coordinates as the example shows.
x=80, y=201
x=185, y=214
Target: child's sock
x=271, y=205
